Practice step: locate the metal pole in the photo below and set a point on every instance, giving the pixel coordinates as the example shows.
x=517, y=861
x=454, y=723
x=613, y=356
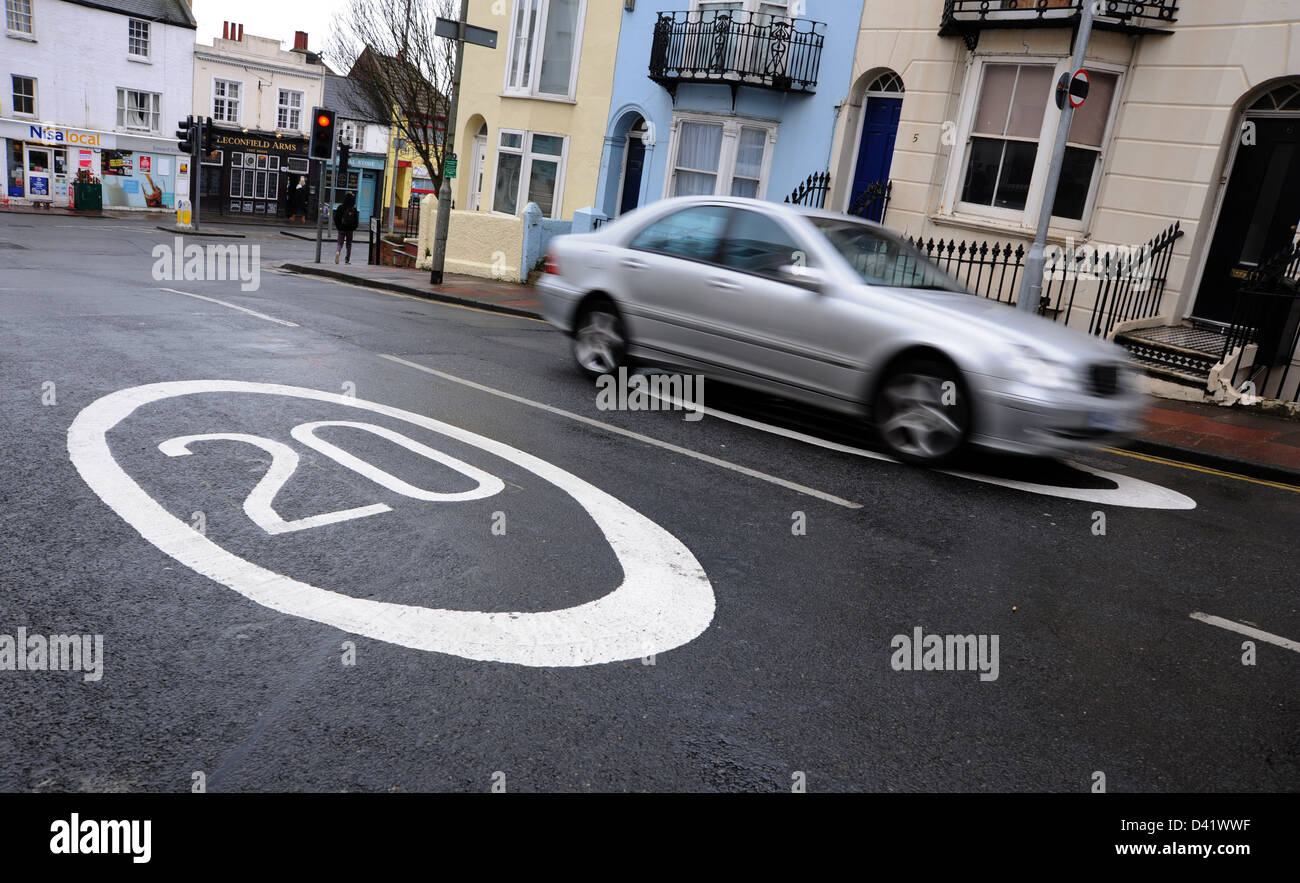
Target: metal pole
x=196, y=169
x=399, y=143
x=320, y=193
x=444, y=191
x=1031, y=287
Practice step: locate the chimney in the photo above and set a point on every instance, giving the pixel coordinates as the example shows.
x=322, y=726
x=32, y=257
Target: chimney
x=225, y=30
x=240, y=38
x=300, y=41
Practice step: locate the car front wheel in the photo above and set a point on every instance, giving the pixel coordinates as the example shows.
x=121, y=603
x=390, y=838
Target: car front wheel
x=922, y=411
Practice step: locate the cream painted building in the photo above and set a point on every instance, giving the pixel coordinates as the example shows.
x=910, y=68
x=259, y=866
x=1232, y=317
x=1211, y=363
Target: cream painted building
x=532, y=111
x=250, y=82
x=1193, y=117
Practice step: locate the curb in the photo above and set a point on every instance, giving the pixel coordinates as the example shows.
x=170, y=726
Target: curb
x=1212, y=460
x=180, y=231
x=415, y=291
x=298, y=236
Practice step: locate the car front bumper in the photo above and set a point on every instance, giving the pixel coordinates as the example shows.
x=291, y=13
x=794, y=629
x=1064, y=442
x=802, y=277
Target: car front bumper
x=1019, y=419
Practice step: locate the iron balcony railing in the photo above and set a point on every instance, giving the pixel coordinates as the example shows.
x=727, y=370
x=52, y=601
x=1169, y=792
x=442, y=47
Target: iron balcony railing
x=736, y=48
x=966, y=18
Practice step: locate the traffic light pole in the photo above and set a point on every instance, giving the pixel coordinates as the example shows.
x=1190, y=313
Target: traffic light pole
x=196, y=164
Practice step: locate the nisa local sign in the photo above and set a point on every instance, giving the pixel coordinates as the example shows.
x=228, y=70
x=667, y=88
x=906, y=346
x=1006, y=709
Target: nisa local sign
x=65, y=136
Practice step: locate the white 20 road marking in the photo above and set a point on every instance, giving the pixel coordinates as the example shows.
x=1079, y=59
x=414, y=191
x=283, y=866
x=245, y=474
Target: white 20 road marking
x=1257, y=634
x=284, y=461
x=664, y=601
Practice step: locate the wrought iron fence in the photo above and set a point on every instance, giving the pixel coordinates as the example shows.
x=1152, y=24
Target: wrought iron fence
x=812, y=192
x=408, y=218
x=1267, y=314
x=737, y=47
x=872, y=202
x=1120, y=283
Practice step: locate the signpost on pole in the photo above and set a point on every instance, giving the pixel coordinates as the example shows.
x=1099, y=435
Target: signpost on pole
x=1031, y=287
x=462, y=32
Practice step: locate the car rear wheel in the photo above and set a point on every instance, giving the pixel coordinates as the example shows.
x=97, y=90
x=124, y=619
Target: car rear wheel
x=600, y=342
x=922, y=412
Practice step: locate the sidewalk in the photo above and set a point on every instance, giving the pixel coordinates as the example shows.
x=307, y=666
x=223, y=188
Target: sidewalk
x=1234, y=440
x=510, y=298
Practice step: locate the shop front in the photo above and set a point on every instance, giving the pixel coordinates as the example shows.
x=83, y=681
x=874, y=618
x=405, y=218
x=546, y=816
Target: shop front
x=364, y=180
x=42, y=161
x=253, y=175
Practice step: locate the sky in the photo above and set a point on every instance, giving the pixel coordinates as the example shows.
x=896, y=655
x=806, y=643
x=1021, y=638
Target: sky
x=277, y=19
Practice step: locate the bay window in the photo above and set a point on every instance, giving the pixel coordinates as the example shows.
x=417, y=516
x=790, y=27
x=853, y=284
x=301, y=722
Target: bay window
x=530, y=168
x=544, y=46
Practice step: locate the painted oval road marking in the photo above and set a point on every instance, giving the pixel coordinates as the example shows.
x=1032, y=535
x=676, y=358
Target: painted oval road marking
x=664, y=601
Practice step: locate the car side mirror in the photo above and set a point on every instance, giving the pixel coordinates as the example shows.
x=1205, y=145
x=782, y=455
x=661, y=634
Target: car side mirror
x=810, y=278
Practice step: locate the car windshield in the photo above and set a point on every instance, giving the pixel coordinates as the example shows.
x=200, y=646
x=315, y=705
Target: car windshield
x=881, y=259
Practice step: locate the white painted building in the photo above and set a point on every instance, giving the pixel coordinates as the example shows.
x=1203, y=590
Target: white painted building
x=95, y=87
x=259, y=96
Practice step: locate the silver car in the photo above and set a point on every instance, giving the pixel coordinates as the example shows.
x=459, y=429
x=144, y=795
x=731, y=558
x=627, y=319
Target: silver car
x=836, y=312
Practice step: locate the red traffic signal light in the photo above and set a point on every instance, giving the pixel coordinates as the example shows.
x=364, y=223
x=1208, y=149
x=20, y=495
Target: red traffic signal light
x=322, y=133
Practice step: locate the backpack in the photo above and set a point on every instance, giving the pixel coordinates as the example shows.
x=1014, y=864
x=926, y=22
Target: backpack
x=348, y=218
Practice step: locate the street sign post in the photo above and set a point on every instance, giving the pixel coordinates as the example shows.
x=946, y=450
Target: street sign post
x=1031, y=286
x=449, y=167
x=481, y=37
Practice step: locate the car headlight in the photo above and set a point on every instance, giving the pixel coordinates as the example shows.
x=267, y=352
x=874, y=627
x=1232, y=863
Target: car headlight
x=1032, y=368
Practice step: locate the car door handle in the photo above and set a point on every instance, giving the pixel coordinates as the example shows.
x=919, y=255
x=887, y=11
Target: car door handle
x=633, y=264
x=723, y=285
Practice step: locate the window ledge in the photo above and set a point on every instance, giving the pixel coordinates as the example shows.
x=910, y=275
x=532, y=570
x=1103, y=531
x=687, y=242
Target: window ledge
x=139, y=59
x=532, y=96
x=19, y=35
x=1001, y=228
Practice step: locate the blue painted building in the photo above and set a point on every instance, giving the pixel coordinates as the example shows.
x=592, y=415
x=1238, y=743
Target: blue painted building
x=729, y=98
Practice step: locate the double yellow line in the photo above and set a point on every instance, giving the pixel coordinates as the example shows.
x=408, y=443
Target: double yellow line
x=1206, y=470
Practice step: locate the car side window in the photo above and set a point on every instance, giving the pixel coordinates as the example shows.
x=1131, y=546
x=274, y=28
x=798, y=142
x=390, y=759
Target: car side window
x=758, y=244
x=693, y=233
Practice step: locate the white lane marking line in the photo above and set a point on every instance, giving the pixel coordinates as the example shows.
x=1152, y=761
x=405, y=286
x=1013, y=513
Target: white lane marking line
x=1246, y=630
x=627, y=433
x=234, y=307
x=1129, y=492
x=664, y=601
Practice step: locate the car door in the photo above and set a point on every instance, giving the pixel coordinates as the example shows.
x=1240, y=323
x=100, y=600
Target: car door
x=773, y=328
x=663, y=270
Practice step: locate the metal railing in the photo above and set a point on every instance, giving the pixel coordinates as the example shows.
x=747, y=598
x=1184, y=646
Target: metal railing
x=737, y=48
x=812, y=192
x=1122, y=284
x=1267, y=314
x=872, y=202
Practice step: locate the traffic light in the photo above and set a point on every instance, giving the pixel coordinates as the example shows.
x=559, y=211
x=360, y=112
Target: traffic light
x=322, y=134
x=209, y=136
x=186, y=133
x=344, y=152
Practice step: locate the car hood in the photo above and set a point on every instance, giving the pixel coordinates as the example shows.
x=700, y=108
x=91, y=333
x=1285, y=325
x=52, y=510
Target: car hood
x=999, y=321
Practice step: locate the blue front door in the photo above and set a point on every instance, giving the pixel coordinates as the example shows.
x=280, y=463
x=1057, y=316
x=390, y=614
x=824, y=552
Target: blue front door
x=875, y=155
x=366, y=197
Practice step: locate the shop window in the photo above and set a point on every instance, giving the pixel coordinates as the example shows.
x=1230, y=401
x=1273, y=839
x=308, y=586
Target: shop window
x=24, y=92
x=18, y=16
x=137, y=38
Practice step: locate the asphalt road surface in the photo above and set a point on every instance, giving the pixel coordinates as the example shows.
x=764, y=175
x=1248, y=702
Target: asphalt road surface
x=337, y=539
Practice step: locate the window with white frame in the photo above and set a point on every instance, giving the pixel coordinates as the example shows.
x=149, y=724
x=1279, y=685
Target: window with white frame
x=225, y=100
x=720, y=157
x=544, y=46
x=138, y=111
x=137, y=38
x=288, y=110
x=24, y=94
x=530, y=168
x=1005, y=167
x=18, y=16
x=350, y=133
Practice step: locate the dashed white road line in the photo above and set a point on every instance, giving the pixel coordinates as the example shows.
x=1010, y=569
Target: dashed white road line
x=618, y=430
x=233, y=307
x=1246, y=630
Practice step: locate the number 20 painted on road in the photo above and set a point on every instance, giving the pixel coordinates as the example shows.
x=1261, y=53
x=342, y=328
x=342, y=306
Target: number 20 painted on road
x=284, y=462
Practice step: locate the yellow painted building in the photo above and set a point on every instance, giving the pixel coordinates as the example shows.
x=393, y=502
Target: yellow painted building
x=532, y=112
x=411, y=171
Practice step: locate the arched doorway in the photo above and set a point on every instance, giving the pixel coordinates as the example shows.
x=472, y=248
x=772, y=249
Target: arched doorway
x=629, y=191
x=882, y=108
x=1261, y=206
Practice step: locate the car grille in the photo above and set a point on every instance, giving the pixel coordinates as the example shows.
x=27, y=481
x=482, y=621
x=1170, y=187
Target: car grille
x=1104, y=380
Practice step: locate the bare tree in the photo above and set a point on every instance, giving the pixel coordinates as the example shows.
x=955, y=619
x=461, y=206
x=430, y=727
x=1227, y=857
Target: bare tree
x=401, y=69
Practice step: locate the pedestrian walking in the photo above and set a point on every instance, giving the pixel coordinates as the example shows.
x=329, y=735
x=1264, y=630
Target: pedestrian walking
x=346, y=220
x=298, y=200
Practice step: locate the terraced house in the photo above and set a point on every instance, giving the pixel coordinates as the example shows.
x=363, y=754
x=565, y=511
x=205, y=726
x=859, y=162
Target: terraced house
x=1187, y=142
